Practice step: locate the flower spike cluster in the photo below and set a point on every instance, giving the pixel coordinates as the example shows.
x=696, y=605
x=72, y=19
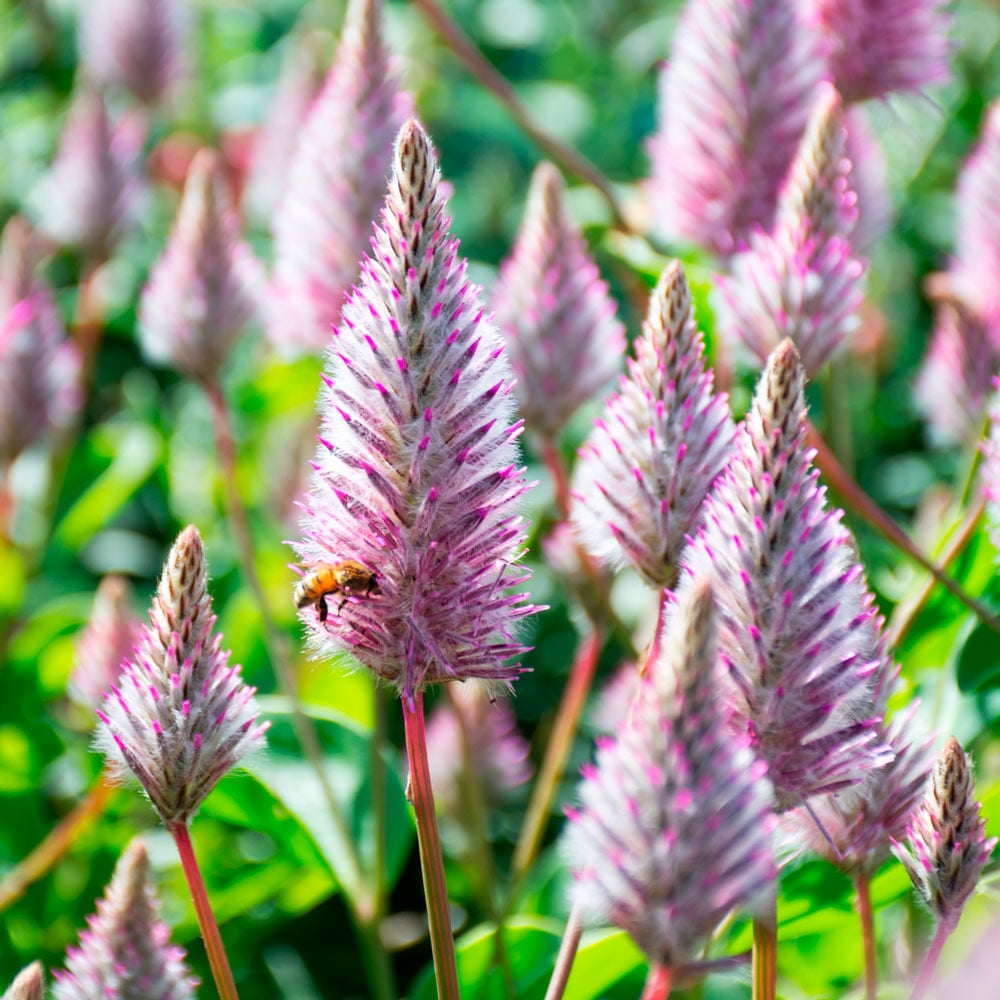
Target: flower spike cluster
x=880, y=47
x=336, y=184
x=28, y=985
x=126, y=951
x=802, y=280
x=990, y=472
x=674, y=828
x=206, y=287
x=564, y=339
x=734, y=100
x=947, y=842
x=654, y=454
x=180, y=716
x=417, y=476
x=798, y=631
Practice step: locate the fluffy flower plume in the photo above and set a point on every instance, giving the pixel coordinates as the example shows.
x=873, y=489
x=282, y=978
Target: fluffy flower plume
x=499, y=753
x=734, y=99
x=88, y=196
x=417, y=479
x=336, y=184
x=663, y=439
x=564, y=338
x=991, y=467
x=946, y=836
x=105, y=643
x=29, y=984
x=798, y=630
x=39, y=368
x=180, y=717
x=964, y=353
x=880, y=47
x=673, y=831
x=801, y=280
x=139, y=44
x=206, y=287
x=126, y=951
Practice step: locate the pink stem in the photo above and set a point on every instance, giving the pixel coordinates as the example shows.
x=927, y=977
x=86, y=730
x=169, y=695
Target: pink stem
x=930, y=961
x=862, y=885
x=217, y=959
x=658, y=983
x=421, y=797
x=564, y=960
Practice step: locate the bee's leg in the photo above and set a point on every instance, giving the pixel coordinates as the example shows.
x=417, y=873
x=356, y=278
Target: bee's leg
x=342, y=603
x=323, y=610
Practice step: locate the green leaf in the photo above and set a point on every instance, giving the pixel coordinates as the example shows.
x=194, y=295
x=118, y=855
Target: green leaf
x=978, y=666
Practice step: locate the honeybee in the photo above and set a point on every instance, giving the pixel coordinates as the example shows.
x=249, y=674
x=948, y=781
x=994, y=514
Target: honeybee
x=347, y=578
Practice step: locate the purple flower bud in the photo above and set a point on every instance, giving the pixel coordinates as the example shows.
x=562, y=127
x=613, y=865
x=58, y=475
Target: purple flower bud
x=139, y=44
x=417, y=479
x=879, y=47
x=797, y=628
x=674, y=828
x=734, y=99
x=564, y=339
x=180, y=717
x=39, y=369
x=29, y=984
x=499, y=753
x=206, y=287
x=90, y=192
x=802, y=280
x=336, y=184
x=947, y=841
x=106, y=641
x=664, y=438
x=990, y=471
x=125, y=950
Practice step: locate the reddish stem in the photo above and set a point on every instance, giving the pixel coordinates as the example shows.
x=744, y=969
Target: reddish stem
x=567, y=720
x=658, y=983
x=565, y=958
x=930, y=961
x=560, y=480
x=421, y=797
x=862, y=885
x=764, y=964
x=217, y=958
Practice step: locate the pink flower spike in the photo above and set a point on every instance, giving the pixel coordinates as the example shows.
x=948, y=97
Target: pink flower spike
x=422, y=545
x=28, y=985
x=126, y=950
x=674, y=828
x=564, y=339
x=880, y=47
x=735, y=97
x=207, y=286
x=637, y=492
x=804, y=690
x=178, y=756
x=990, y=471
x=802, y=280
x=336, y=184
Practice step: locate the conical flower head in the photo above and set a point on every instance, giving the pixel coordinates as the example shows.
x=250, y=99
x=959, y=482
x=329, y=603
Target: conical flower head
x=416, y=485
x=802, y=280
x=105, y=643
x=139, y=44
x=126, y=951
x=990, y=472
x=734, y=100
x=336, y=184
x=797, y=632
x=673, y=831
x=89, y=194
x=180, y=717
x=880, y=47
x=29, y=984
x=39, y=368
x=654, y=454
x=207, y=285
x=947, y=841
x=564, y=338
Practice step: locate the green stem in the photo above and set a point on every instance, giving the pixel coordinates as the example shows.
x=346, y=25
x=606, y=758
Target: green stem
x=421, y=796
x=563, y=732
x=860, y=502
x=862, y=885
x=567, y=955
x=217, y=958
x=764, y=963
